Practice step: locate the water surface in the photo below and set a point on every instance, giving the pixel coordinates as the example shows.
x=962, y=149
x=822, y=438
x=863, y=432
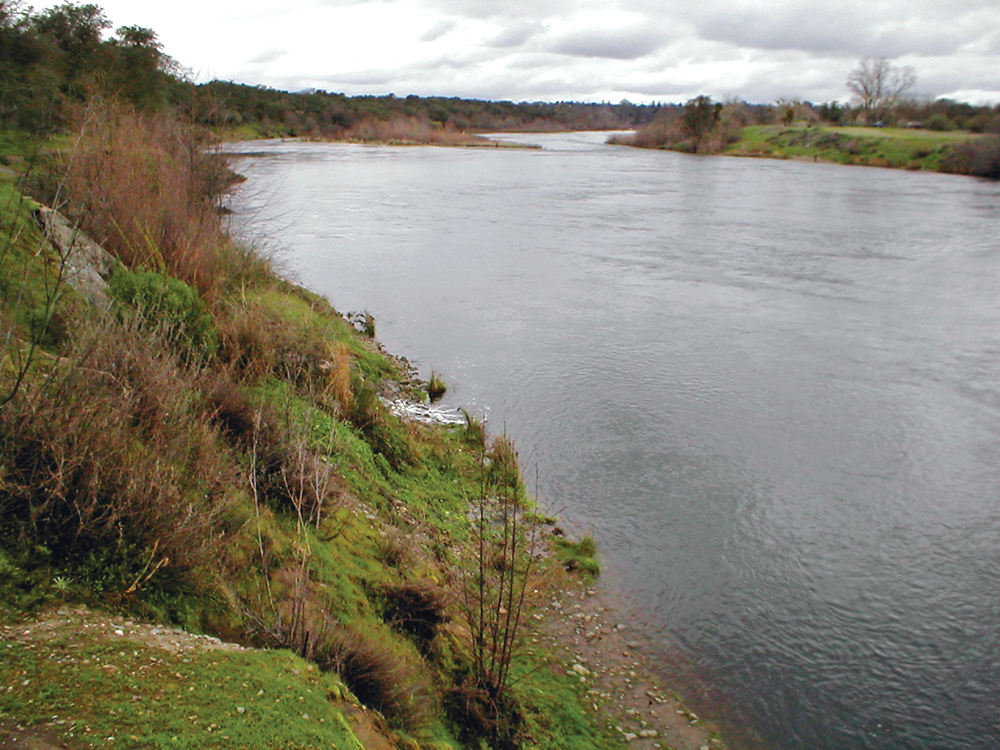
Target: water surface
x=771, y=389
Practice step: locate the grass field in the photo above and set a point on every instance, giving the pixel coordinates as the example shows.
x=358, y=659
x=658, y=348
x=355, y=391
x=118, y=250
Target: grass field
x=899, y=148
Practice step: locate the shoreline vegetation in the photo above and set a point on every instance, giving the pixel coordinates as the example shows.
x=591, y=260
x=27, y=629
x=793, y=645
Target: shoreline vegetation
x=969, y=146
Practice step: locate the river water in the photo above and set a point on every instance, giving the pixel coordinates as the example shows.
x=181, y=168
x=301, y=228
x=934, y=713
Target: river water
x=771, y=389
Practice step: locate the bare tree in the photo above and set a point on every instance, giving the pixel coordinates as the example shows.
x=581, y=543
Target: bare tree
x=879, y=85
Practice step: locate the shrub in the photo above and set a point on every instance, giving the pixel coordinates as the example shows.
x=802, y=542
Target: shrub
x=169, y=303
x=109, y=468
x=145, y=188
x=939, y=122
x=417, y=609
x=979, y=158
x=379, y=676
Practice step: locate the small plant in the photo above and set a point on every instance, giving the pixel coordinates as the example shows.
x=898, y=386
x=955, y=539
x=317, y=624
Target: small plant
x=578, y=556
x=436, y=387
x=369, y=325
x=62, y=584
x=475, y=428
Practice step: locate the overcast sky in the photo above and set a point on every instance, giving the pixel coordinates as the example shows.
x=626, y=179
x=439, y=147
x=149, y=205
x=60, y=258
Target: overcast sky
x=582, y=50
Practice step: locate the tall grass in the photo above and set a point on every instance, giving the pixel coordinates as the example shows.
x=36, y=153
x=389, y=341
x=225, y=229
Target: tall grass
x=146, y=188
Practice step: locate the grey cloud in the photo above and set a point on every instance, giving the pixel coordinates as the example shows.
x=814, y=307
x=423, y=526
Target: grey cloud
x=268, y=56
x=438, y=30
x=888, y=31
x=615, y=44
x=516, y=34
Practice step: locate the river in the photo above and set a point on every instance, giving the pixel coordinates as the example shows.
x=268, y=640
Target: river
x=771, y=389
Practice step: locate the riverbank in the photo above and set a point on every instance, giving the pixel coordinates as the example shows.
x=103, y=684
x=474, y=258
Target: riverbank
x=894, y=148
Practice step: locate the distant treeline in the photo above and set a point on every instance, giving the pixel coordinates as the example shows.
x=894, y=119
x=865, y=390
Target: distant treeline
x=226, y=104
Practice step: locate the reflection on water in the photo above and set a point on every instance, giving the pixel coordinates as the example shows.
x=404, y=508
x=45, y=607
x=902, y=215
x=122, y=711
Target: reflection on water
x=771, y=388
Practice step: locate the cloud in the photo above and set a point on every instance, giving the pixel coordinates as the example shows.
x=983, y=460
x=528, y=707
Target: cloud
x=438, y=30
x=516, y=34
x=268, y=56
x=615, y=44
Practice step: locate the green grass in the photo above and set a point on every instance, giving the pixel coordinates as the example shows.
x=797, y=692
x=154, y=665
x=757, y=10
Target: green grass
x=880, y=147
x=96, y=685
x=559, y=715
x=579, y=556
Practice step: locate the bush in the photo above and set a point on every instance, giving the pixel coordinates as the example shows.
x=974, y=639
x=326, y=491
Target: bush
x=146, y=189
x=378, y=676
x=939, y=122
x=979, y=158
x=108, y=467
x=169, y=303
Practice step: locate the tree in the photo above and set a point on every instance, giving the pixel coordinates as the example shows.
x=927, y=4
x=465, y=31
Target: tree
x=878, y=84
x=700, y=117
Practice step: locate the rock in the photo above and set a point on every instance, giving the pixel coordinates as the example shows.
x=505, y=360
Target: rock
x=629, y=736
x=87, y=265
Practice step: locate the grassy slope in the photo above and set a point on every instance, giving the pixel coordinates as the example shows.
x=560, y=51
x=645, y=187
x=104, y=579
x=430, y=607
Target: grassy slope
x=385, y=526
x=879, y=147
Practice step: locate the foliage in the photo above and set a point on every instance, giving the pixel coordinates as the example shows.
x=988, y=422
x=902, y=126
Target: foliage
x=54, y=59
x=578, y=556
x=436, y=387
x=700, y=117
x=168, y=302
x=980, y=158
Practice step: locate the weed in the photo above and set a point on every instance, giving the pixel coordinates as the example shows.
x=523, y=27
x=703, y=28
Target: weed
x=379, y=676
x=578, y=556
x=436, y=387
x=417, y=609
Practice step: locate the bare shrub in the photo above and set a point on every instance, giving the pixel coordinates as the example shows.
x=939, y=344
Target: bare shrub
x=146, y=187
x=107, y=455
x=979, y=157
x=495, y=573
